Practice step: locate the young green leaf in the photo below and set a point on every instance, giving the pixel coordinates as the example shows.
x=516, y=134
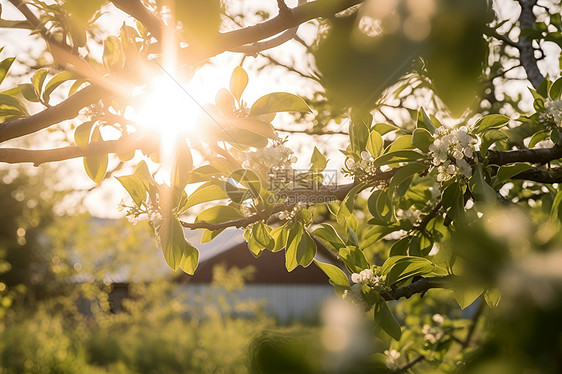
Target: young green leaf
x=4, y=67
x=238, y=82
x=337, y=277
x=219, y=213
x=113, y=57
x=260, y=232
x=82, y=134
x=492, y=297
x=278, y=102
x=318, y=161
x=375, y=144
x=492, y=121
x=507, y=171
x=96, y=165
x=424, y=122
x=56, y=81
x=28, y=92
x=38, y=79
x=466, y=294
x=134, y=187
x=12, y=107
x=422, y=139
x=293, y=240
x=207, y=192
x=481, y=190
x=385, y=320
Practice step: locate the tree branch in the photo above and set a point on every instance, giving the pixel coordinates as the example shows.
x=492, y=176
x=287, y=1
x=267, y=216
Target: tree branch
x=533, y=156
x=137, y=10
x=256, y=47
x=410, y=364
x=313, y=196
x=276, y=25
x=418, y=286
x=553, y=175
x=40, y=156
x=67, y=109
x=526, y=50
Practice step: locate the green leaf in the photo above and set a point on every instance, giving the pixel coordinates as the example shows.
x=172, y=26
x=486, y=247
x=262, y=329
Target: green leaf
x=538, y=136
x=177, y=251
x=328, y=233
x=453, y=200
x=359, y=131
x=405, y=172
x=4, y=67
x=422, y=139
x=507, y=171
x=96, y=165
x=261, y=234
x=82, y=134
x=397, y=156
x=555, y=92
x=318, y=161
x=219, y=213
x=398, y=268
x=353, y=258
x=183, y=164
x=402, y=142
x=278, y=102
x=491, y=121
x=380, y=206
x=238, y=82
x=113, y=56
x=56, y=81
x=12, y=107
x=489, y=138
x=254, y=125
x=384, y=128
x=492, y=297
x=28, y=92
x=293, y=240
x=38, y=79
x=385, y=320
x=424, y=122
x=556, y=212
x=337, y=277
x=279, y=234
x=207, y=192
x=375, y=144
x=466, y=294
x=134, y=187
x=481, y=190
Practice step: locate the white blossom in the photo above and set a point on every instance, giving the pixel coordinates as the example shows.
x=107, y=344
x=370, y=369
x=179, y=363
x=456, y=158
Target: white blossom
x=438, y=319
x=275, y=157
x=367, y=277
x=451, y=152
x=552, y=114
x=432, y=334
x=412, y=215
x=392, y=357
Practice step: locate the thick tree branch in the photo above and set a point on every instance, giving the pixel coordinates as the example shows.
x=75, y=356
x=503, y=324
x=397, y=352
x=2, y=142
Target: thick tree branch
x=65, y=110
x=533, y=156
x=40, y=156
x=266, y=44
x=553, y=175
x=276, y=25
x=418, y=286
x=526, y=50
x=137, y=10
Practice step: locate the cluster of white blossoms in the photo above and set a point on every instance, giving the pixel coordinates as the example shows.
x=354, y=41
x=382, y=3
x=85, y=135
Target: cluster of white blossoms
x=392, y=357
x=451, y=151
x=364, y=168
x=412, y=215
x=552, y=115
x=275, y=157
x=433, y=333
x=368, y=277
x=286, y=215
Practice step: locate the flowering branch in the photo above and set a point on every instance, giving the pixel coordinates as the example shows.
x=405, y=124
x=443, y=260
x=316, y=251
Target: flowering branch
x=306, y=196
x=419, y=286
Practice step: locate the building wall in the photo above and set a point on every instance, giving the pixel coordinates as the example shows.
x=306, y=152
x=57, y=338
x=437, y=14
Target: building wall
x=286, y=302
